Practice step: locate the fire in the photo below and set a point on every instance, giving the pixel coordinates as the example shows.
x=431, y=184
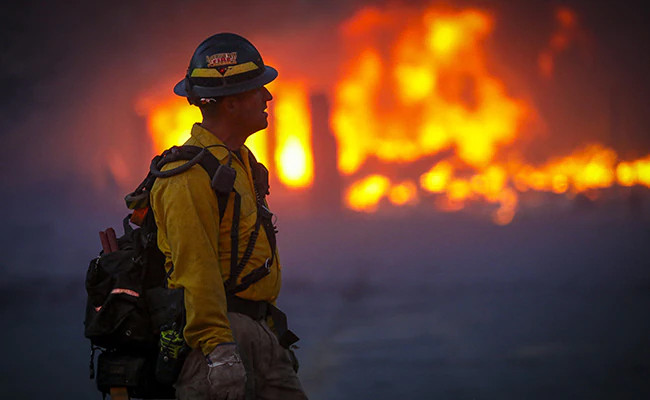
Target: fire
x=293, y=154
x=437, y=178
x=593, y=167
x=169, y=124
x=366, y=194
x=403, y=193
x=429, y=90
x=634, y=172
x=444, y=95
x=169, y=121
x=420, y=118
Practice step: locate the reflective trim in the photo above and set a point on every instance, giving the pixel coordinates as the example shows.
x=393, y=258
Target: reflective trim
x=125, y=291
x=229, y=71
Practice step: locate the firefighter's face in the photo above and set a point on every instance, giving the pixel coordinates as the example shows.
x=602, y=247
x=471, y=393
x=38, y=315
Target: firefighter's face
x=250, y=110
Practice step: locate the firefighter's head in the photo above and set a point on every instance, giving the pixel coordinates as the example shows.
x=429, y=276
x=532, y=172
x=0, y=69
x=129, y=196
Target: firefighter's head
x=227, y=73
x=222, y=65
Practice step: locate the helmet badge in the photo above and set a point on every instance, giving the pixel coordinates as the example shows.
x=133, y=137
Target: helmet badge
x=216, y=60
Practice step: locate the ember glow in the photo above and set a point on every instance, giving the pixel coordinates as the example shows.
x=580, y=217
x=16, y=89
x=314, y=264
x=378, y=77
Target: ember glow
x=566, y=33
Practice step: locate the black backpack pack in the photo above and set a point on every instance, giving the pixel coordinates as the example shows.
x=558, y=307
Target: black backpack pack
x=132, y=317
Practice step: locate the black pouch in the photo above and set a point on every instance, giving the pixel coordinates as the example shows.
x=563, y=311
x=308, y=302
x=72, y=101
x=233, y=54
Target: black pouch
x=167, y=308
x=135, y=372
x=116, y=313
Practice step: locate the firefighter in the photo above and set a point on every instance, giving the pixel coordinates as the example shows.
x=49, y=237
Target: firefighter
x=223, y=254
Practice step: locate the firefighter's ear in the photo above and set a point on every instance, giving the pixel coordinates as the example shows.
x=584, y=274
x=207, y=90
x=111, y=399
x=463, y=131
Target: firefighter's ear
x=229, y=104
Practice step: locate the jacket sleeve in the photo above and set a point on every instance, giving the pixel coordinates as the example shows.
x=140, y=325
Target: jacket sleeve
x=187, y=215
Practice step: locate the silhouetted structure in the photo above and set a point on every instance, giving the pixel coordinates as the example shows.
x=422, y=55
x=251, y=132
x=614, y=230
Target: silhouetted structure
x=326, y=190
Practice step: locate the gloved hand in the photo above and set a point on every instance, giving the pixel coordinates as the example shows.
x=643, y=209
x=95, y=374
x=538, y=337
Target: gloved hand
x=226, y=373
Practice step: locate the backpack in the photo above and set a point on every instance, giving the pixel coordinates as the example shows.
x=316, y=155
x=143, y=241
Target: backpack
x=131, y=315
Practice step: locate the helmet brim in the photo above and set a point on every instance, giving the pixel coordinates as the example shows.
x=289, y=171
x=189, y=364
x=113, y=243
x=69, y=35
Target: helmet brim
x=266, y=77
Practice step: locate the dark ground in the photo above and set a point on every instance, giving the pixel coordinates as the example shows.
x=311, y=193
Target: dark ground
x=443, y=306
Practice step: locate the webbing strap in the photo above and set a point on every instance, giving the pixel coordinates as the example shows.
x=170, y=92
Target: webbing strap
x=264, y=218
x=195, y=155
x=234, y=236
x=199, y=155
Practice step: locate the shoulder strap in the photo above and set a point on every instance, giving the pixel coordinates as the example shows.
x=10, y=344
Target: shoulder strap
x=195, y=155
x=260, y=176
x=265, y=220
x=202, y=156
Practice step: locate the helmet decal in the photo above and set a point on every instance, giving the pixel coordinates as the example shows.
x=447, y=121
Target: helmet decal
x=221, y=59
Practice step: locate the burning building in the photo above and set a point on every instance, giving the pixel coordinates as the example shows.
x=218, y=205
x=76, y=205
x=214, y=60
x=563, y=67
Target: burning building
x=420, y=117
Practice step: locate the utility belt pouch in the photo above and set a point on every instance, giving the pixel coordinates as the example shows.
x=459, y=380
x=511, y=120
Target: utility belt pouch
x=166, y=306
x=119, y=370
x=132, y=371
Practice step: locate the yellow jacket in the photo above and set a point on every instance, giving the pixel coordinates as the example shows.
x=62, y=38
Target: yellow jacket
x=197, y=245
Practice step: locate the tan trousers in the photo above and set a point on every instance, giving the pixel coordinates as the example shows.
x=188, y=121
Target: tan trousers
x=269, y=369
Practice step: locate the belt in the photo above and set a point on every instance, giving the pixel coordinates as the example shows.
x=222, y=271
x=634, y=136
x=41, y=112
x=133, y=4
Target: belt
x=258, y=310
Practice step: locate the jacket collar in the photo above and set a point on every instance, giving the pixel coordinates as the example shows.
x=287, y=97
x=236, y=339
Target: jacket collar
x=205, y=138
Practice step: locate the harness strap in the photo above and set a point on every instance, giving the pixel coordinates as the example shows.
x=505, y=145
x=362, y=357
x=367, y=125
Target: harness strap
x=234, y=239
x=200, y=155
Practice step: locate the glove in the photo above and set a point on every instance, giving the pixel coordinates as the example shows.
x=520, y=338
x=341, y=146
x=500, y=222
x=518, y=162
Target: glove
x=226, y=373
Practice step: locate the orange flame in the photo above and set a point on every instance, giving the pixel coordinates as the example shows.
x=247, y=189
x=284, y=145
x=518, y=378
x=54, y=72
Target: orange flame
x=293, y=154
x=430, y=91
x=169, y=121
x=169, y=124
x=444, y=95
x=417, y=85
x=365, y=195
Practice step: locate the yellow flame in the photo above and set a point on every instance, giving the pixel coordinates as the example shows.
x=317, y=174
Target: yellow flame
x=593, y=167
x=169, y=122
x=445, y=95
x=415, y=85
x=642, y=168
x=293, y=154
x=365, y=194
x=437, y=178
x=625, y=174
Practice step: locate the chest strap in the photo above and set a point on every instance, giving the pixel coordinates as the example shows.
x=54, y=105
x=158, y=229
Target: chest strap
x=203, y=157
